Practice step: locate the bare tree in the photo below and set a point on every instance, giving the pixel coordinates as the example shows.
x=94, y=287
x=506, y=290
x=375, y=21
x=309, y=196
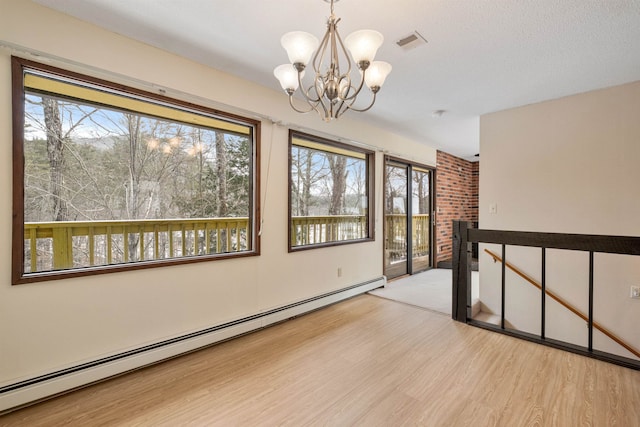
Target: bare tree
x=55, y=153
x=306, y=184
x=309, y=174
x=221, y=167
x=133, y=185
x=421, y=191
x=338, y=168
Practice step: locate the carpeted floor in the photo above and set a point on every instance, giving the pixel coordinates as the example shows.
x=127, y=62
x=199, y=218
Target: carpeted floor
x=430, y=289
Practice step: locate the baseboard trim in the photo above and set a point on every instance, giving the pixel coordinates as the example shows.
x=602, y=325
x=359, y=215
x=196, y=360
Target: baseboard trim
x=41, y=387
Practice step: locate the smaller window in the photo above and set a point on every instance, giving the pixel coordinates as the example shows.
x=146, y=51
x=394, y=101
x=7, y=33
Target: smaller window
x=330, y=192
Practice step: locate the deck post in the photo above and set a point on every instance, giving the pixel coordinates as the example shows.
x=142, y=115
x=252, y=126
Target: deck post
x=62, y=248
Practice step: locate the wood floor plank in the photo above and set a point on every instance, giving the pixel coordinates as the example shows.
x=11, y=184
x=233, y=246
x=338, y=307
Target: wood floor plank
x=366, y=361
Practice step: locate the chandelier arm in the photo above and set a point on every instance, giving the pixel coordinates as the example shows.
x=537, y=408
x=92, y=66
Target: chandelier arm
x=317, y=88
x=350, y=107
x=317, y=58
x=334, y=110
x=357, y=91
x=344, y=106
x=299, y=110
x=339, y=110
x=305, y=92
x=327, y=114
x=320, y=96
x=334, y=68
x=344, y=50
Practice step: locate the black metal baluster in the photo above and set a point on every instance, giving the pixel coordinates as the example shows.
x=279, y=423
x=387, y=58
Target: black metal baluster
x=504, y=257
x=544, y=292
x=590, y=300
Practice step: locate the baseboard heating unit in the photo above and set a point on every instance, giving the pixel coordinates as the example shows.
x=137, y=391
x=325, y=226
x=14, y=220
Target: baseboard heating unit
x=34, y=389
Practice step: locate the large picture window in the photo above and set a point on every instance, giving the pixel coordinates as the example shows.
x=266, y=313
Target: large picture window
x=108, y=178
x=331, y=193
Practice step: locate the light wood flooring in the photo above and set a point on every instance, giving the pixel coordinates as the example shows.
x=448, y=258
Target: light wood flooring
x=366, y=361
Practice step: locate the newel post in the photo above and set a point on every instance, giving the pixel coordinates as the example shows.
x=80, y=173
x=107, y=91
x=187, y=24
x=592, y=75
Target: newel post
x=462, y=251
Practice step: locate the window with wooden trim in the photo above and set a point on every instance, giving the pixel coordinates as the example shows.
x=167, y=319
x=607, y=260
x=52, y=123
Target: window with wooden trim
x=330, y=192
x=108, y=178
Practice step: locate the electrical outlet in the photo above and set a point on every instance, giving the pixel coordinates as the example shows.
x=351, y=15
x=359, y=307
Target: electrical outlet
x=635, y=292
x=339, y=271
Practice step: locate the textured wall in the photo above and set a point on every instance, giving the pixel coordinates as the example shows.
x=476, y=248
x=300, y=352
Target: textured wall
x=568, y=165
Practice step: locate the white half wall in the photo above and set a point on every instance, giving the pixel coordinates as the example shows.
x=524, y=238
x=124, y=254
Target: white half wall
x=569, y=165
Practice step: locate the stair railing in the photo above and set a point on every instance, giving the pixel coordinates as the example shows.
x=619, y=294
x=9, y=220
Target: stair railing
x=567, y=305
x=464, y=236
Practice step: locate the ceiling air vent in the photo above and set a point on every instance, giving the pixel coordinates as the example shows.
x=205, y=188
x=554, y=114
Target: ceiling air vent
x=411, y=41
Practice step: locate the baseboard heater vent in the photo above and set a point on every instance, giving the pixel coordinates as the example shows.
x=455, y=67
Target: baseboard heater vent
x=53, y=383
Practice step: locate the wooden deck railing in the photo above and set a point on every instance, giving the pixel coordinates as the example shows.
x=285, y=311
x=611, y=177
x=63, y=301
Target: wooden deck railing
x=62, y=245
x=69, y=244
x=396, y=231
x=309, y=230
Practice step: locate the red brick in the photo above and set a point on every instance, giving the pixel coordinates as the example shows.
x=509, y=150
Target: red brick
x=456, y=198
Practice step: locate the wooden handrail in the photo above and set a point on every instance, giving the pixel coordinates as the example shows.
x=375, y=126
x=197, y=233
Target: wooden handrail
x=567, y=305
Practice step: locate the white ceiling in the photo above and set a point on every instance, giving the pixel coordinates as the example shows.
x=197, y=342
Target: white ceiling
x=482, y=55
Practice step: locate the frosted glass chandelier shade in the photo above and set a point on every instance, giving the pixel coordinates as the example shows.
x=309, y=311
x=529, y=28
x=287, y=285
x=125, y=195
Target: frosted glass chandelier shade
x=287, y=76
x=299, y=46
x=363, y=44
x=376, y=74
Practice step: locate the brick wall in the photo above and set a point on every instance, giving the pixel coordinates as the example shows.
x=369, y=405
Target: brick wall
x=456, y=198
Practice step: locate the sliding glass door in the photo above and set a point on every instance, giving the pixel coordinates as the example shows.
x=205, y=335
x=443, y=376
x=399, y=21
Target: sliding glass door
x=395, y=221
x=408, y=218
x=421, y=220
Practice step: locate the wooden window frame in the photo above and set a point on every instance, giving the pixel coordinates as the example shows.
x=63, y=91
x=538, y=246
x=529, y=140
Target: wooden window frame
x=369, y=158
x=18, y=275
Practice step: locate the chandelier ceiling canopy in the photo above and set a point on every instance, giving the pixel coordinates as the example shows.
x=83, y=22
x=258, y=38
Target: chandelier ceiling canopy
x=336, y=84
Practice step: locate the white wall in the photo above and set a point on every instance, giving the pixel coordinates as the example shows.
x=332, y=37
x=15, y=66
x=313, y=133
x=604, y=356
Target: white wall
x=51, y=325
x=569, y=165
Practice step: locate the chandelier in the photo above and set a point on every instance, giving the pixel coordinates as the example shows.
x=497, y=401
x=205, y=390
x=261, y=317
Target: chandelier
x=332, y=91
